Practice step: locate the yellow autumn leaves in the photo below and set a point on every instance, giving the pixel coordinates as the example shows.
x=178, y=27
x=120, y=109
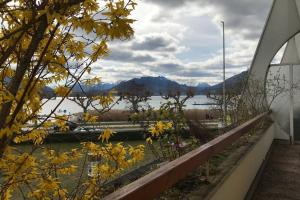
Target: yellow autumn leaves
x=106, y=134
x=99, y=50
x=62, y=91
x=40, y=42
x=113, y=158
x=19, y=169
x=37, y=136
x=158, y=129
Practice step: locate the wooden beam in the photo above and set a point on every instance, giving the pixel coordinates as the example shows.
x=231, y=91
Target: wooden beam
x=156, y=182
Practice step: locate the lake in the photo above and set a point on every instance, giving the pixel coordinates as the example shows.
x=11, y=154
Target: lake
x=70, y=107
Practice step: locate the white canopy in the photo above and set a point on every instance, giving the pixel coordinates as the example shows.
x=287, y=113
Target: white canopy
x=282, y=26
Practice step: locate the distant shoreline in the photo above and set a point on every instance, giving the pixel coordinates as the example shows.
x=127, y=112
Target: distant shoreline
x=71, y=107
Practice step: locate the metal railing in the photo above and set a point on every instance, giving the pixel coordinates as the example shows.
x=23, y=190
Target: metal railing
x=156, y=182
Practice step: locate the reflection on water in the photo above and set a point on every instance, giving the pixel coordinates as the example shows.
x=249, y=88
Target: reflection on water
x=70, y=107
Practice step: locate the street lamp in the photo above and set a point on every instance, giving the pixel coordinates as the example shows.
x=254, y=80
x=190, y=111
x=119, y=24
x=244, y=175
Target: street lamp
x=224, y=97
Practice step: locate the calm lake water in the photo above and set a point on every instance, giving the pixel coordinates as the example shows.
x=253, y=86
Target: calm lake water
x=70, y=107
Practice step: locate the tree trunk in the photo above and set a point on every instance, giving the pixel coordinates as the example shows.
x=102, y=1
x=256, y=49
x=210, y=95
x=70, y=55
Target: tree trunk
x=15, y=83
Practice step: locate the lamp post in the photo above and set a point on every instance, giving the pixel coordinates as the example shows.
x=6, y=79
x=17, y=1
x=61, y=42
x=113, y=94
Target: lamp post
x=291, y=105
x=224, y=97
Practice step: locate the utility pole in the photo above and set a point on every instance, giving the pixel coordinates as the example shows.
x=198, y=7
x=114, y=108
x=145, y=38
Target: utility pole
x=224, y=96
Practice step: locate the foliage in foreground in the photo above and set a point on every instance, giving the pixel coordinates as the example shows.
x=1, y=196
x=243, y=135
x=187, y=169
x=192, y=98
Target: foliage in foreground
x=169, y=125
x=54, y=42
x=252, y=98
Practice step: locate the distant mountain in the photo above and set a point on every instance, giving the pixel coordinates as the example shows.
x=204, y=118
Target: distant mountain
x=202, y=85
x=201, y=88
x=47, y=92
x=158, y=85
x=101, y=87
x=104, y=86
x=154, y=85
x=234, y=83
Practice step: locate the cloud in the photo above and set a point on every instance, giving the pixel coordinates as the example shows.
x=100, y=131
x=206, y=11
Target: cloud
x=169, y=67
x=145, y=48
x=156, y=42
x=195, y=73
x=169, y=3
x=182, y=40
x=129, y=56
x=180, y=69
x=245, y=17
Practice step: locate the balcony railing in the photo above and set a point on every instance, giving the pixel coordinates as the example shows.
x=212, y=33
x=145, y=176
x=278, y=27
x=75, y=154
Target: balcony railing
x=156, y=182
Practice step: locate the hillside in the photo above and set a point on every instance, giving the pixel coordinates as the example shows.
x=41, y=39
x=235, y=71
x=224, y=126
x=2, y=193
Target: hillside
x=47, y=92
x=155, y=85
x=233, y=83
x=94, y=88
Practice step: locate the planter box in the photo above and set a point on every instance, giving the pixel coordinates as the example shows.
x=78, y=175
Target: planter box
x=236, y=184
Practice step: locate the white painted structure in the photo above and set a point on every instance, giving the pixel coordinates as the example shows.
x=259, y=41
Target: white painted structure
x=237, y=182
x=282, y=27
x=282, y=30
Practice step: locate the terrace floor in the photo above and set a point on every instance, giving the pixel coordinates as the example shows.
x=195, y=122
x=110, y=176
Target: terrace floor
x=280, y=179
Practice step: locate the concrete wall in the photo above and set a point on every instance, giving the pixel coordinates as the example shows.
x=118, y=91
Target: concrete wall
x=237, y=183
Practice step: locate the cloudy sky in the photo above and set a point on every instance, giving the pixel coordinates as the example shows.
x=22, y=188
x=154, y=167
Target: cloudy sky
x=182, y=40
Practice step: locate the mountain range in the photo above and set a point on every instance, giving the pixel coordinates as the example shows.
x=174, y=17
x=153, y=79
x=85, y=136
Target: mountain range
x=234, y=83
x=158, y=85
